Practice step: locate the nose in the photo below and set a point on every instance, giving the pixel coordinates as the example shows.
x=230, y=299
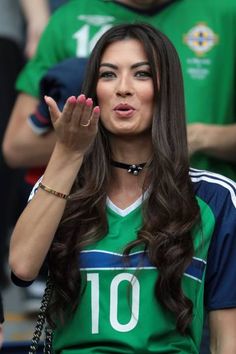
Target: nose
x=124, y=87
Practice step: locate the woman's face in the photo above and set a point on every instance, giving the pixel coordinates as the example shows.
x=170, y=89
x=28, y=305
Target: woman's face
x=125, y=89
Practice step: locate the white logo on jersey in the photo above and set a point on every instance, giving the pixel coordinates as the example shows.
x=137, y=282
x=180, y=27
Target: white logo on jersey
x=96, y=20
x=201, y=39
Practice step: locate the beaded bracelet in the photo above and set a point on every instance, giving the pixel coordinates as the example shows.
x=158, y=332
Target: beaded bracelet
x=52, y=191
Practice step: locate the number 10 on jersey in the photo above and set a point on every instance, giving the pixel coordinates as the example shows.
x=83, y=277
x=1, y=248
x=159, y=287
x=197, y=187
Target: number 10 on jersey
x=114, y=301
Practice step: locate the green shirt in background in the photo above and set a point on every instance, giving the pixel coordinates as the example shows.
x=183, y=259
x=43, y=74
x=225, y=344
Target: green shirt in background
x=203, y=32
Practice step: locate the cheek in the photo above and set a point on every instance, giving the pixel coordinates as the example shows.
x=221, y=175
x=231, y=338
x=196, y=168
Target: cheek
x=148, y=97
x=146, y=93
x=98, y=94
x=102, y=100
x=102, y=93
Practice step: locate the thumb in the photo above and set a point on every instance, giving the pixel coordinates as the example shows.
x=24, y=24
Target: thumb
x=54, y=111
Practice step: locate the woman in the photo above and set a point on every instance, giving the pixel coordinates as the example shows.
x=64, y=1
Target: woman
x=126, y=228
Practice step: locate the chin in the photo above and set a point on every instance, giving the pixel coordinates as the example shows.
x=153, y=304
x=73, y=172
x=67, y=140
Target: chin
x=127, y=133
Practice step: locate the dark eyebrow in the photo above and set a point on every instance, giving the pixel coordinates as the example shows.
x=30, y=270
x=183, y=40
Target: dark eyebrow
x=141, y=63
x=115, y=67
x=109, y=65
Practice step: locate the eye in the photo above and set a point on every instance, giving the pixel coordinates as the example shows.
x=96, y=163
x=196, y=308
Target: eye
x=107, y=75
x=143, y=74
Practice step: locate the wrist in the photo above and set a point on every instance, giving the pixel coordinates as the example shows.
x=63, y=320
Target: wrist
x=62, y=169
x=64, y=163
x=67, y=154
x=203, y=137
x=211, y=134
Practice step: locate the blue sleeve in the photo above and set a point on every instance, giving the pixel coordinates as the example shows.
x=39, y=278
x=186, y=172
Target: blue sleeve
x=219, y=193
x=220, y=286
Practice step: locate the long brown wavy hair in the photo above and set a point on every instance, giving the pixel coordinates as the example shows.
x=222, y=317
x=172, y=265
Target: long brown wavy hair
x=170, y=210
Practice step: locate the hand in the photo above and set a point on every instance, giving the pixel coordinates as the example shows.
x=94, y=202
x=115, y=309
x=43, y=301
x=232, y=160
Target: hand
x=77, y=125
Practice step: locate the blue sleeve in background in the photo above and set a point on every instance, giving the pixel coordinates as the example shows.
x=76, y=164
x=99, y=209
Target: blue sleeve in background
x=60, y=82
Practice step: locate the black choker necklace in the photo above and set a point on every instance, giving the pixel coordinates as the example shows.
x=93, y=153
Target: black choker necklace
x=134, y=169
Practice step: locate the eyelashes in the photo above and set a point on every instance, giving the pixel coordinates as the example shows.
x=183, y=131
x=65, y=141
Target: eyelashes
x=107, y=74
x=142, y=74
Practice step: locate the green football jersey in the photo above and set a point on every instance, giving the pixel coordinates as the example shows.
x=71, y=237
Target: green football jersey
x=118, y=312
x=205, y=41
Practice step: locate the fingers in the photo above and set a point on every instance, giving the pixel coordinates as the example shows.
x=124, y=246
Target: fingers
x=83, y=114
x=69, y=108
x=83, y=111
x=95, y=117
x=53, y=108
x=80, y=111
x=87, y=111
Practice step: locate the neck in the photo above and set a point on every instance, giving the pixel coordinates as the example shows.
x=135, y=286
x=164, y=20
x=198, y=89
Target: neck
x=131, y=150
x=124, y=185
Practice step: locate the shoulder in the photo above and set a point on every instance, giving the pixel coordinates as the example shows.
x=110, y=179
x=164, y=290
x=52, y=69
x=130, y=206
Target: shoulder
x=224, y=8
x=218, y=193
x=214, y=189
x=219, y=5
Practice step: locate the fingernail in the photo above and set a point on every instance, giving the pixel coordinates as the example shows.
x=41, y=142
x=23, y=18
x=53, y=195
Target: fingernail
x=96, y=109
x=81, y=98
x=72, y=99
x=89, y=102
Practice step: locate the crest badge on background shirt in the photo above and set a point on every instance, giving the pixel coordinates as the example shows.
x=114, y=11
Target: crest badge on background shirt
x=201, y=39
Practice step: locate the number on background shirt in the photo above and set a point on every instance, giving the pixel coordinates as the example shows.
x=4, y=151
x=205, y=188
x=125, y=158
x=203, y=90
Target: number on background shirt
x=84, y=45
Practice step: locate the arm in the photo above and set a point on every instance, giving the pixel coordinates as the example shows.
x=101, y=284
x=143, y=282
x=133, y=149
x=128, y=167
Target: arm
x=21, y=146
x=36, y=227
x=36, y=14
x=222, y=325
x=214, y=140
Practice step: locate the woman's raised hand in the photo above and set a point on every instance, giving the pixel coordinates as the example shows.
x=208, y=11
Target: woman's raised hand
x=77, y=125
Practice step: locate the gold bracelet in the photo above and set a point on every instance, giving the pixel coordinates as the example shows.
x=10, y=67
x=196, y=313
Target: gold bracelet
x=51, y=191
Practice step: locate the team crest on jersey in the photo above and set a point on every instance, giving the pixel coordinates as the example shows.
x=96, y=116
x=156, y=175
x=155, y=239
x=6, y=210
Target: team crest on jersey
x=201, y=39
x=96, y=20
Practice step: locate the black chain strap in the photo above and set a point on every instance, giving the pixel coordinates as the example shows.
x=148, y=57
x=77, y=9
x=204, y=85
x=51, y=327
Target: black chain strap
x=48, y=341
x=40, y=323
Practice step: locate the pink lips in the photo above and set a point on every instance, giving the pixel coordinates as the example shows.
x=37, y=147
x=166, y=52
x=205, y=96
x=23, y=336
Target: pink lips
x=124, y=110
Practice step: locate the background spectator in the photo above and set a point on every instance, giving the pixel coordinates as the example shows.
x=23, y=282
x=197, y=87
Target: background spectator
x=1, y=321
x=16, y=17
